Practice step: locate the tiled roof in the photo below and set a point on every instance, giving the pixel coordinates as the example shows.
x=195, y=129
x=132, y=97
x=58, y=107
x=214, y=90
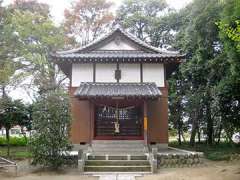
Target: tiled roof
x=116, y=30
x=127, y=90
x=89, y=52
x=115, y=56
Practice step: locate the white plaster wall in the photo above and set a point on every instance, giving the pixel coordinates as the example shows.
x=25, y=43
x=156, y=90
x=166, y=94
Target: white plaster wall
x=81, y=73
x=121, y=46
x=154, y=73
x=105, y=72
x=130, y=72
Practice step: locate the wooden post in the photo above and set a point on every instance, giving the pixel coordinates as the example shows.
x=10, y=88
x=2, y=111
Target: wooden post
x=145, y=122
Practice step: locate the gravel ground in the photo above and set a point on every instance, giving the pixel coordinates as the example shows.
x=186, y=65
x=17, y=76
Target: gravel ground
x=209, y=171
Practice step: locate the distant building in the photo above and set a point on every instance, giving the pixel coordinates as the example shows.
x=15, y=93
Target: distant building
x=16, y=131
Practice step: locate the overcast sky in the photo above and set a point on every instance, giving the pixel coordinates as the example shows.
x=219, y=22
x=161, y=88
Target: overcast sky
x=57, y=9
x=58, y=6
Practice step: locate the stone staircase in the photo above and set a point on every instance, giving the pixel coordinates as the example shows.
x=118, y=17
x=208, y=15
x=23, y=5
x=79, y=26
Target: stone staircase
x=122, y=147
x=117, y=156
x=117, y=164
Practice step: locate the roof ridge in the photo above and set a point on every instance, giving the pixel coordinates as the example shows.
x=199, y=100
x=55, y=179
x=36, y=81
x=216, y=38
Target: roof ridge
x=121, y=30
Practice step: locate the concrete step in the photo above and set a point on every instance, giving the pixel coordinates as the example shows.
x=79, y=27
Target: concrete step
x=120, y=150
x=117, y=157
x=117, y=168
x=122, y=147
x=117, y=163
x=117, y=142
x=118, y=145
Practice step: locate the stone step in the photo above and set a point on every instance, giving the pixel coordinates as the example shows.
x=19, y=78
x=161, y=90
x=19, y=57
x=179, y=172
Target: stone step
x=117, y=163
x=119, y=145
x=117, y=168
x=120, y=150
x=117, y=142
x=117, y=157
x=107, y=153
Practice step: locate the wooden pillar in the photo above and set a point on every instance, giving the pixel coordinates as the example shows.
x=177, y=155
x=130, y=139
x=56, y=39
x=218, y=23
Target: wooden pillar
x=145, y=122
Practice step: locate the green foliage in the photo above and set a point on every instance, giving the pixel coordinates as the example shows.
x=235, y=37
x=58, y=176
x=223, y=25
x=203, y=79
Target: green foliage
x=16, y=152
x=28, y=35
x=12, y=112
x=51, y=121
x=205, y=90
x=14, y=141
x=8, y=47
x=220, y=152
x=172, y=132
x=232, y=32
x=145, y=19
x=230, y=24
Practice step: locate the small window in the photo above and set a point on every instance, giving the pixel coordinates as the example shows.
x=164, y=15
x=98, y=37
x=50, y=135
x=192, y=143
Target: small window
x=82, y=143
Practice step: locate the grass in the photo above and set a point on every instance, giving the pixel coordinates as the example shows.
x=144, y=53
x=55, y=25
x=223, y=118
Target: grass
x=16, y=152
x=222, y=151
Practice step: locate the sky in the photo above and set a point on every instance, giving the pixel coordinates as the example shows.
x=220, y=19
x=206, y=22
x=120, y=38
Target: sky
x=58, y=6
x=57, y=10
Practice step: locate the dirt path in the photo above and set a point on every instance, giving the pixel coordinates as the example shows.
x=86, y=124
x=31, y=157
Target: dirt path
x=50, y=177
x=209, y=171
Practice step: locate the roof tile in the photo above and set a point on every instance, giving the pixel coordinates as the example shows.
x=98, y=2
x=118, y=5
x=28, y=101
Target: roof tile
x=127, y=90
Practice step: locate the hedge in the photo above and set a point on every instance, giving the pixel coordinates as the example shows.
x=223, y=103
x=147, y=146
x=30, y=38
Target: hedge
x=14, y=141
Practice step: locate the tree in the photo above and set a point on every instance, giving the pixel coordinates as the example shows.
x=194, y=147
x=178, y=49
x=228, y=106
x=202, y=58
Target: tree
x=12, y=112
x=198, y=75
x=31, y=5
x=176, y=105
x=86, y=20
x=145, y=19
x=51, y=121
x=228, y=88
x=27, y=38
x=8, y=45
x=230, y=23
x=232, y=32
x=39, y=37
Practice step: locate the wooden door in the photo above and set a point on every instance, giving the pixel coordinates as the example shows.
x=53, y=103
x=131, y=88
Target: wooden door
x=128, y=118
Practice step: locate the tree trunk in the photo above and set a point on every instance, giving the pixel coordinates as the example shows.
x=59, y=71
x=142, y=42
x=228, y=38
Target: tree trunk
x=179, y=132
x=209, y=118
x=8, y=139
x=199, y=135
x=183, y=137
x=219, y=134
x=3, y=91
x=23, y=133
x=209, y=125
x=194, y=128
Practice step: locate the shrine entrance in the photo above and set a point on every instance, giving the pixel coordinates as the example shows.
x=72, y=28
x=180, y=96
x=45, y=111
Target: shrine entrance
x=118, y=120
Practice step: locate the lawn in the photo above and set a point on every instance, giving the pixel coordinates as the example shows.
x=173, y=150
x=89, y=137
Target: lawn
x=16, y=152
x=222, y=151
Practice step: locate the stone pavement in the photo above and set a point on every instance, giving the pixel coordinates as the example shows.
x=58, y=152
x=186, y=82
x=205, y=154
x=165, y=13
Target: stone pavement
x=117, y=176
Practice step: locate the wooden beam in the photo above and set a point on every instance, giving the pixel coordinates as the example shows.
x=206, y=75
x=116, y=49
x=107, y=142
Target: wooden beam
x=94, y=72
x=145, y=122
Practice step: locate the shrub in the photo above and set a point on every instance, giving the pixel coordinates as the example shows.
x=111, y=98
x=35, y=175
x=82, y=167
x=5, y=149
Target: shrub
x=14, y=141
x=51, y=121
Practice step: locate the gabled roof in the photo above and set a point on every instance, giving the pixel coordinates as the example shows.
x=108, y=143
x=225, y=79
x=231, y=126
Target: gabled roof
x=92, y=46
x=119, y=90
x=98, y=52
